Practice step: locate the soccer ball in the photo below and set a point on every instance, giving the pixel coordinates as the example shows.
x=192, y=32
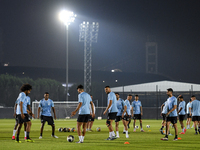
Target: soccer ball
x=73, y=130
x=148, y=126
x=68, y=130
x=70, y=138
x=98, y=129
x=64, y=130
x=136, y=127
x=60, y=129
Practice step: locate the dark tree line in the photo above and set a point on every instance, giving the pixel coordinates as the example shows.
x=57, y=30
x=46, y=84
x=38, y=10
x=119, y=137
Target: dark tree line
x=10, y=89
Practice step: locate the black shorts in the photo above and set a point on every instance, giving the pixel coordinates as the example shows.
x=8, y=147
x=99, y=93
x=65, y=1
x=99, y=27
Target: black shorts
x=111, y=116
x=118, y=118
x=20, y=120
x=137, y=116
x=195, y=118
x=49, y=119
x=127, y=118
x=90, y=118
x=164, y=116
x=181, y=117
x=188, y=116
x=173, y=120
x=83, y=118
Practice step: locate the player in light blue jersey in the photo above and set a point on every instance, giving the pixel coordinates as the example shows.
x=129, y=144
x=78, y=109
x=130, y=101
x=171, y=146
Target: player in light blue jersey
x=127, y=114
x=83, y=107
x=112, y=112
x=181, y=112
x=164, y=111
x=121, y=108
x=195, y=112
x=15, y=115
x=188, y=113
x=171, y=114
x=45, y=107
x=137, y=112
x=23, y=111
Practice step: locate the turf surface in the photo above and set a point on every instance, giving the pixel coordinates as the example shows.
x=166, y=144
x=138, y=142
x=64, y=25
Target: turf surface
x=96, y=140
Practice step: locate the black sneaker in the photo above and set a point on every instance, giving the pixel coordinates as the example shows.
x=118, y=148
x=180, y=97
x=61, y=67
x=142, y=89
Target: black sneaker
x=114, y=137
x=108, y=138
x=196, y=133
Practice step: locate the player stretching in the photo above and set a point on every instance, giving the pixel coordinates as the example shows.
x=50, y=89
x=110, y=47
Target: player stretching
x=195, y=112
x=181, y=113
x=85, y=101
x=121, y=107
x=22, y=114
x=127, y=114
x=188, y=114
x=112, y=112
x=91, y=119
x=171, y=114
x=137, y=107
x=46, y=104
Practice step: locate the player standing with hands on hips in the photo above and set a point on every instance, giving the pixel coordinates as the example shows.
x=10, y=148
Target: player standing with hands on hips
x=85, y=101
x=112, y=112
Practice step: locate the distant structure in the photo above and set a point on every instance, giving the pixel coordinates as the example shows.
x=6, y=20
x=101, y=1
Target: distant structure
x=151, y=55
x=88, y=34
x=1, y=47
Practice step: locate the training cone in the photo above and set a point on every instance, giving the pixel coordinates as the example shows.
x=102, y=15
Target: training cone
x=126, y=143
x=179, y=138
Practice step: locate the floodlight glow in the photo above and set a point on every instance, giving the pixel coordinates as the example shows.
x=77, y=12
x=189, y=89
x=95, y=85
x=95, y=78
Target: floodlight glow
x=112, y=70
x=67, y=17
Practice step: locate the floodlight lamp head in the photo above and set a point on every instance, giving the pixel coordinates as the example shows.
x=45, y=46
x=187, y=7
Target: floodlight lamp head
x=67, y=17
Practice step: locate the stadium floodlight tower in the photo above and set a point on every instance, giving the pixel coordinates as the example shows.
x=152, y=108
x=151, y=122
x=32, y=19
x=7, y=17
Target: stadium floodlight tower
x=88, y=34
x=67, y=17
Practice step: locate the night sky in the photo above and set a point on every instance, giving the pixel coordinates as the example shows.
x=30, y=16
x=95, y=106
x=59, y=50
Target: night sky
x=34, y=36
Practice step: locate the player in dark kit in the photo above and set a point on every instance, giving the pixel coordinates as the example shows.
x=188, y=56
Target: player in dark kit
x=46, y=104
x=22, y=113
x=85, y=101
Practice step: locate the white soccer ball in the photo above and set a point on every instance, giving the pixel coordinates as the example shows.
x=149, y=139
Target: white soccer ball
x=98, y=129
x=136, y=127
x=70, y=138
x=148, y=126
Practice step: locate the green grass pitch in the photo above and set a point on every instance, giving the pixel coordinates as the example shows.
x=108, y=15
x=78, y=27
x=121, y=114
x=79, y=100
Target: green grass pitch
x=96, y=140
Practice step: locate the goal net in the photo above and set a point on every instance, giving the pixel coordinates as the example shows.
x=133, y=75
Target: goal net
x=63, y=108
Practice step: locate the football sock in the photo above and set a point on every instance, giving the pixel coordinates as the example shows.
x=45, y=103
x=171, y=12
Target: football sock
x=27, y=135
x=183, y=129
x=176, y=136
x=126, y=133
x=141, y=125
x=83, y=138
x=113, y=133
x=80, y=138
x=14, y=131
x=17, y=138
x=24, y=133
x=40, y=134
x=110, y=134
x=162, y=127
x=196, y=130
x=166, y=136
x=117, y=132
x=141, y=129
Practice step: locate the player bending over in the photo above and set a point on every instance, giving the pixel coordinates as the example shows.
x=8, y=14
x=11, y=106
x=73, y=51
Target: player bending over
x=22, y=114
x=85, y=101
x=137, y=112
x=181, y=112
x=121, y=107
x=46, y=104
x=195, y=112
x=112, y=112
x=171, y=114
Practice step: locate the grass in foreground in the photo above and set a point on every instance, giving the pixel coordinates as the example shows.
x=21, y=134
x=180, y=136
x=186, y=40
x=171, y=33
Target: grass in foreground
x=96, y=140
